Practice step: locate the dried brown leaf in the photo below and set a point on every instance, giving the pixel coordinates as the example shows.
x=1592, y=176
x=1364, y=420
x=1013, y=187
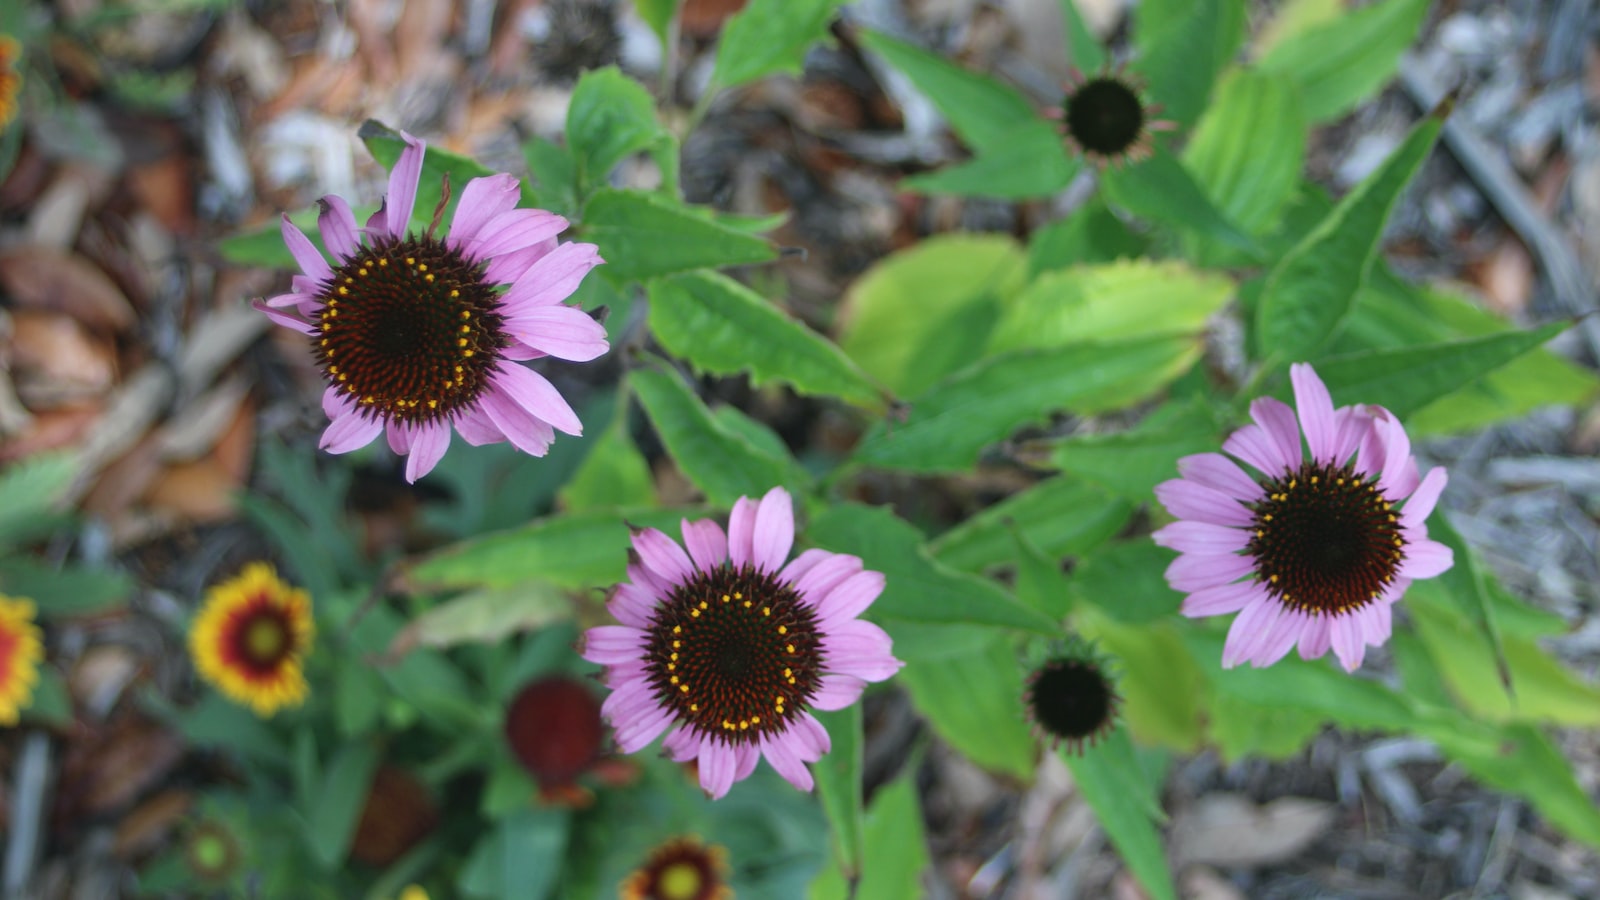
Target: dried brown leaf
x=44, y=278
x=1231, y=830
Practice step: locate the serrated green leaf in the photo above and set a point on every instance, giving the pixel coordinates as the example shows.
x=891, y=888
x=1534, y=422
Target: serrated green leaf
x=68, y=591
x=30, y=490
x=645, y=235
x=770, y=36
x=1062, y=516
x=1344, y=61
x=1406, y=380
x=1116, y=787
x=1162, y=190
x=1312, y=288
x=917, y=588
x=984, y=112
x=1131, y=463
x=974, y=703
x=922, y=313
x=838, y=776
x=1183, y=47
x=949, y=425
x=555, y=176
x=1110, y=302
x=575, y=551
x=1248, y=149
x=718, y=325
x=610, y=117
x=1031, y=162
x=719, y=461
x=337, y=805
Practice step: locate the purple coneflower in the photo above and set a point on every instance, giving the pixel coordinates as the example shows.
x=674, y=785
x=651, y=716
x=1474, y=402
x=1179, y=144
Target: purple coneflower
x=1311, y=550
x=733, y=642
x=413, y=331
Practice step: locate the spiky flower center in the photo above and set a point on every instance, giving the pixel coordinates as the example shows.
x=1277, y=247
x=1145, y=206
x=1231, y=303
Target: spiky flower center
x=735, y=653
x=1105, y=116
x=1325, y=540
x=1071, y=699
x=409, y=330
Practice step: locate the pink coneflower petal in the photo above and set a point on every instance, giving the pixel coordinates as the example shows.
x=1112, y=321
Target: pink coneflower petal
x=338, y=226
x=304, y=252
x=417, y=331
x=706, y=543
x=731, y=644
x=1314, y=549
x=481, y=200
x=351, y=432
x=560, y=331
x=403, y=179
x=773, y=533
x=663, y=555
x=1315, y=408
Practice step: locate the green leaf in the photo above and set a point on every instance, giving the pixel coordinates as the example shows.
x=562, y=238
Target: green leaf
x=1291, y=19
x=718, y=325
x=431, y=683
x=69, y=591
x=1161, y=685
x=950, y=424
x=611, y=117
x=30, y=490
x=644, y=235
x=1311, y=289
x=917, y=589
x=1468, y=585
x=385, y=145
x=1125, y=580
x=1085, y=51
x=50, y=705
x=974, y=703
x=770, y=36
x=615, y=473
x=1061, y=516
x=658, y=15
x=1091, y=234
x=508, y=788
x=1242, y=729
x=1408, y=379
x=488, y=615
x=1182, y=49
x=1032, y=162
x=720, y=462
x=555, y=173
x=897, y=848
x=922, y=313
x=1110, y=302
x=1340, y=63
x=838, y=776
x=1131, y=463
x=1248, y=149
x=1162, y=190
x=577, y=550
x=1117, y=788
x=358, y=697
x=521, y=858
x=215, y=722
x=332, y=819
x=1040, y=583
x=984, y=112
x=1546, y=691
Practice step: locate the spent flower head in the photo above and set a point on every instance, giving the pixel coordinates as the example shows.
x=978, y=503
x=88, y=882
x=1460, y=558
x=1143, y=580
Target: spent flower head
x=1071, y=697
x=733, y=643
x=1319, y=543
x=421, y=333
x=1108, y=119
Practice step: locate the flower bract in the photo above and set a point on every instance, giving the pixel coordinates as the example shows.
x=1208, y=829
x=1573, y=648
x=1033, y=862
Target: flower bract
x=418, y=334
x=21, y=649
x=1312, y=546
x=251, y=637
x=731, y=644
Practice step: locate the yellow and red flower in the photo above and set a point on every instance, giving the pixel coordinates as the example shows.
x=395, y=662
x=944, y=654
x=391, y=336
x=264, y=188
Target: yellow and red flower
x=681, y=869
x=10, y=78
x=21, y=649
x=251, y=638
